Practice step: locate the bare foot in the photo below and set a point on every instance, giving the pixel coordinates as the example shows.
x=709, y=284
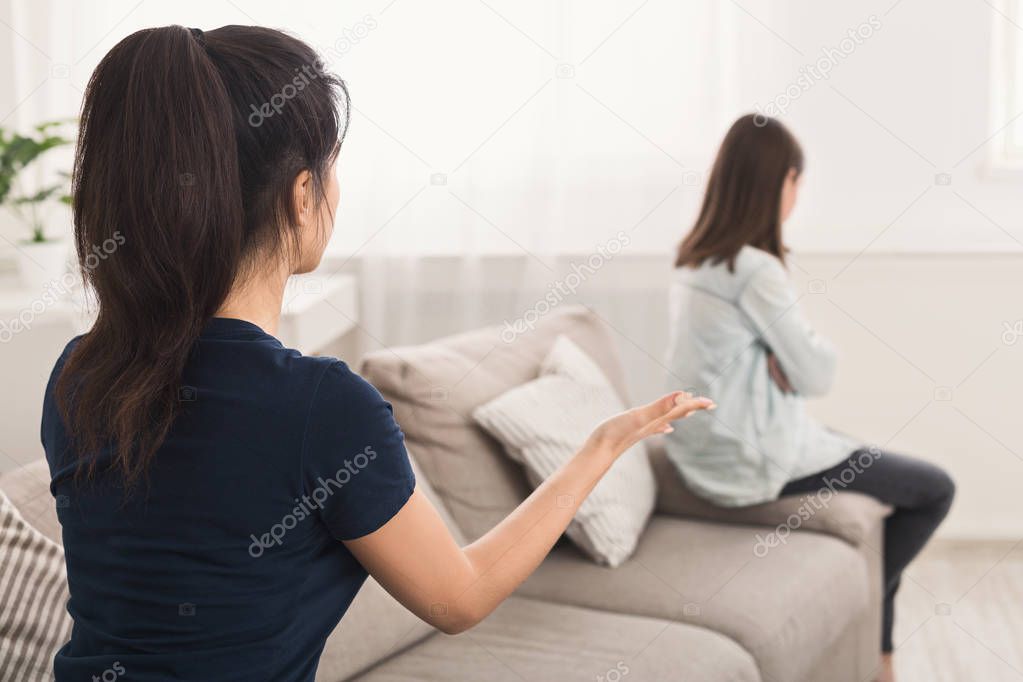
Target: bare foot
x=886, y=671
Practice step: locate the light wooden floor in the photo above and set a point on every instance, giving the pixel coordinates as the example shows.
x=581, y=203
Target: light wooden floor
x=959, y=614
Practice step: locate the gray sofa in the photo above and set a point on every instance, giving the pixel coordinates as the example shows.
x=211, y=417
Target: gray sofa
x=698, y=600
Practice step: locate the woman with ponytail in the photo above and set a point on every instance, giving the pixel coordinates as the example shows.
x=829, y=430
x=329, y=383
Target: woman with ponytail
x=223, y=497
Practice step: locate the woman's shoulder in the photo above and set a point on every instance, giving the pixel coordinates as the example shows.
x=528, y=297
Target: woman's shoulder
x=340, y=391
x=751, y=260
x=68, y=349
x=51, y=421
x=757, y=267
x=58, y=365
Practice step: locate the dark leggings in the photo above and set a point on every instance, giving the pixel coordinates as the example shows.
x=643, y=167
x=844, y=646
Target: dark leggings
x=920, y=493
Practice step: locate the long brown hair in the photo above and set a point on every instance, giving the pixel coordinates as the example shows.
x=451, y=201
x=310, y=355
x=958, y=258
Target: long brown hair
x=188, y=149
x=743, y=194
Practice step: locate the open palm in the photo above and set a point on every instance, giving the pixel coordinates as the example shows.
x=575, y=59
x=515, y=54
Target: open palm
x=624, y=430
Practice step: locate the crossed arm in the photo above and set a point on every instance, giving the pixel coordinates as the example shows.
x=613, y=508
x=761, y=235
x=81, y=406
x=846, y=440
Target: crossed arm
x=799, y=360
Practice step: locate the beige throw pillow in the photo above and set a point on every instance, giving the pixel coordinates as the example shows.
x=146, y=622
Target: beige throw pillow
x=543, y=423
x=34, y=622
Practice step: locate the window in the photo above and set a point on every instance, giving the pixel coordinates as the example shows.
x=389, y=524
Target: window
x=1007, y=84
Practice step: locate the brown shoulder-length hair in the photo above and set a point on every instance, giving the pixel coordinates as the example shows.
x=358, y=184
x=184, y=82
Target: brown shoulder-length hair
x=743, y=194
x=189, y=146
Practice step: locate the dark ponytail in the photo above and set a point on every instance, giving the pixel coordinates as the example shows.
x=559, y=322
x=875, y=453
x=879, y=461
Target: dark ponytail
x=169, y=166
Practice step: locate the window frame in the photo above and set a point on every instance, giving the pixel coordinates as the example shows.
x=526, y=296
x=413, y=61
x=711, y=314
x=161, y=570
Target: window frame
x=1005, y=155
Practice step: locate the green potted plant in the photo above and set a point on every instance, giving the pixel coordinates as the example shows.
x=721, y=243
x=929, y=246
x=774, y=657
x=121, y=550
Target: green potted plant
x=41, y=258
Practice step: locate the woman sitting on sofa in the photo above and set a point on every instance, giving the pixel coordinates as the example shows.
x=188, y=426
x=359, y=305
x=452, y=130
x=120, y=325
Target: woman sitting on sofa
x=224, y=497
x=738, y=332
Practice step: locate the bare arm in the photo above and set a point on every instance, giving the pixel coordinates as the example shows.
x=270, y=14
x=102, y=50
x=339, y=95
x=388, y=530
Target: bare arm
x=414, y=557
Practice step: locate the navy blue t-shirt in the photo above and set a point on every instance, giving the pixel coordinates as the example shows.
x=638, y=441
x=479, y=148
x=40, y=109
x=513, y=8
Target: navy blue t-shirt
x=228, y=565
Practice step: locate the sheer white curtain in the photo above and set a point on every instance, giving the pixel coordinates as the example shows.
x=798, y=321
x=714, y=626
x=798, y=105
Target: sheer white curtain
x=37, y=54
x=494, y=144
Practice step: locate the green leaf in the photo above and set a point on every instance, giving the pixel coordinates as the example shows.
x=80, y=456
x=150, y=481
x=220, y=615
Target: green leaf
x=18, y=151
x=46, y=125
x=40, y=196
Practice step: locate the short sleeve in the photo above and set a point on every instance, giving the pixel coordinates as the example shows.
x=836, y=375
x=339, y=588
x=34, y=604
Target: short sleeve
x=357, y=473
x=51, y=425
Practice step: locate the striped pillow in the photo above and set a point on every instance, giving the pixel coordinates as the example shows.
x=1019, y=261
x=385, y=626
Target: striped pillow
x=33, y=595
x=544, y=422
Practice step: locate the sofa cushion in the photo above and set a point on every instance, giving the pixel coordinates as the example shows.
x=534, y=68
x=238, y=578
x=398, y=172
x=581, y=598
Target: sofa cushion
x=783, y=606
x=542, y=424
x=28, y=488
x=845, y=514
x=376, y=625
x=33, y=598
x=529, y=640
x=435, y=387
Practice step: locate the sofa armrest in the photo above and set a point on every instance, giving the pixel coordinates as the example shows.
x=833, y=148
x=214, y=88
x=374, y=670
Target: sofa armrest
x=28, y=489
x=847, y=515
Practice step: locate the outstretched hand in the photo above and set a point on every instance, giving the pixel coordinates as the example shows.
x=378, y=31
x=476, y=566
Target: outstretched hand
x=624, y=430
x=416, y=559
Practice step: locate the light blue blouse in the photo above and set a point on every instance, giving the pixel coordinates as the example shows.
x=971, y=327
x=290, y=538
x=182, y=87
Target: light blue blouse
x=759, y=438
